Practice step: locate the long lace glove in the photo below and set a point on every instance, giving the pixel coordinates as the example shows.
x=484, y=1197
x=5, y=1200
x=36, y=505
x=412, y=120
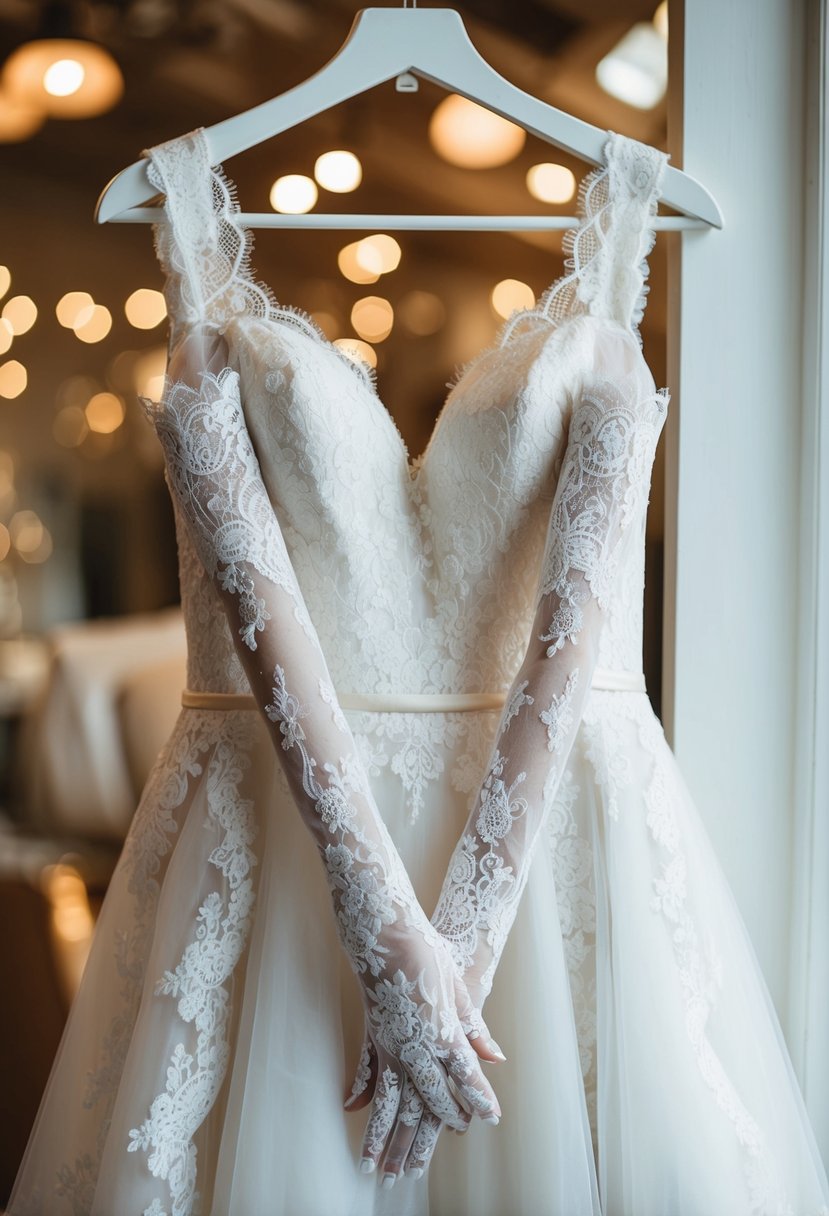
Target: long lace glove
x=415, y=1004
x=602, y=488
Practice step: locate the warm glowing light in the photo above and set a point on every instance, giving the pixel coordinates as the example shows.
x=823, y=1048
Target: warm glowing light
x=72, y=922
x=70, y=306
x=145, y=308
x=6, y=335
x=373, y=318
x=70, y=426
x=71, y=915
x=13, y=379
x=34, y=557
x=351, y=264
x=293, y=194
x=466, y=134
x=357, y=350
x=18, y=119
x=338, y=171
x=7, y=494
x=365, y=260
x=510, y=294
x=379, y=251
x=63, y=77
x=5, y=280
x=5, y=542
x=104, y=413
x=551, y=183
x=26, y=531
x=21, y=314
x=422, y=312
x=636, y=70
x=148, y=373
x=93, y=324
x=660, y=20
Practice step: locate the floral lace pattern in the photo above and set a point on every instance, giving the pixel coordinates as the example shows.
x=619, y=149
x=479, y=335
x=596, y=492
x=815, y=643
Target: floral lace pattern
x=405, y=969
x=540, y=461
x=602, y=489
x=199, y=982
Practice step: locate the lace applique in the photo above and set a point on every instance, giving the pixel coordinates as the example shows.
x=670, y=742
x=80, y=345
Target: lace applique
x=516, y=701
x=206, y=253
x=214, y=476
x=418, y=743
x=201, y=979
x=573, y=864
x=148, y=842
x=605, y=266
x=558, y=718
x=602, y=490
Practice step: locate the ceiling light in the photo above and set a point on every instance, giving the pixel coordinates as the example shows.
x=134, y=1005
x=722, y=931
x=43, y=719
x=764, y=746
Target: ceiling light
x=293, y=194
x=104, y=413
x=378, y=252
x=373, y=318
x=145, y=308
x=636, y=70
x=21, y=314
x=338, y=171
x=93, y=323
x=469, y=135
x=359, y=266
x=511, y=294
x=63, y=77
x=71, y=305
x=551, y=183
x=13, y=379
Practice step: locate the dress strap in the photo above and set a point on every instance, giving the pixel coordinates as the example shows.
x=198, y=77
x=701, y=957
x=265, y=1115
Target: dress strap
x=605, y=264
x=203, y=250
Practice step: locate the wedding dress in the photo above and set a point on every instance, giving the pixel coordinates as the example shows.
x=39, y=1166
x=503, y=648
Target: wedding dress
x=364, y=648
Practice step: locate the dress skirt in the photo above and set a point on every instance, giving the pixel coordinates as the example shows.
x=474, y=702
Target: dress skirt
x=218, y=1024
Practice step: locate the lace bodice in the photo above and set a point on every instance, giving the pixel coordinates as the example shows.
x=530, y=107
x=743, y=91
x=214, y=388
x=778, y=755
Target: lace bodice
x=419, y=574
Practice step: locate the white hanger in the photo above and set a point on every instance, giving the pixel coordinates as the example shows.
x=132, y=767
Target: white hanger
x=392, y=42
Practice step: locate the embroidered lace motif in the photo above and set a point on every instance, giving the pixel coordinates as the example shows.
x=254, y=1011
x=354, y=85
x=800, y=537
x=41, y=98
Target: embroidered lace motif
x=412, y=995
x=605, y=268
x=200, y=982
x=602, y=488
x=206, y=253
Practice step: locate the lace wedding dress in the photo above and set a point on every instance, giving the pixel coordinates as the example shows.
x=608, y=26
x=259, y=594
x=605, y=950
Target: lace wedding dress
x=415, y=690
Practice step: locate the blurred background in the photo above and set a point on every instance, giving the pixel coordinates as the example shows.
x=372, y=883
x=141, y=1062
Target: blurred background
x=91, y=641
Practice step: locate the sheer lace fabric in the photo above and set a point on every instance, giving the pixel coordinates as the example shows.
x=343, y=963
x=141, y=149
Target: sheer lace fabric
x=600, y=501
x=404, y=967
x=203, y=1065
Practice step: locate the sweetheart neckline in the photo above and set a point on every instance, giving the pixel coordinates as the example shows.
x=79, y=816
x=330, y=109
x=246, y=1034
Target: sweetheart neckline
x=294, y=316
x=207, y=253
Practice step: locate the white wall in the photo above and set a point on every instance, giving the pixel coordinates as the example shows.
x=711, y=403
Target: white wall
x=734, y=447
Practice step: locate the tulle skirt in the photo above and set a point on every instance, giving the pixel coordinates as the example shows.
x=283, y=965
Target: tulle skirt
x=205, y=1059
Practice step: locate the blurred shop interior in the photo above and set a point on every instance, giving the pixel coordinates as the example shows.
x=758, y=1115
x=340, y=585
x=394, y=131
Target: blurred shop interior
x=91, y=638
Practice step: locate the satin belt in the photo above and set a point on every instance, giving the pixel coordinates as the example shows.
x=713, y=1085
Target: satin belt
x=604, y=679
